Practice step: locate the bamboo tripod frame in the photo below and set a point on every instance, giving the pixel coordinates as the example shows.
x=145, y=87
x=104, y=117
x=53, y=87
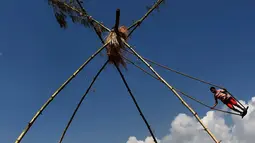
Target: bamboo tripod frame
x=21, y=136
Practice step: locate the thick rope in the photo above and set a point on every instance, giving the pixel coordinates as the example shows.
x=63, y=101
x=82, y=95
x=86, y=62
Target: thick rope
x=142, y=69
x=136, y=104
x=81, y=100
x=183, y=74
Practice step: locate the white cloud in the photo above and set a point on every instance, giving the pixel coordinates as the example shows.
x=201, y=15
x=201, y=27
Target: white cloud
x=133, y=139
x=186, y=129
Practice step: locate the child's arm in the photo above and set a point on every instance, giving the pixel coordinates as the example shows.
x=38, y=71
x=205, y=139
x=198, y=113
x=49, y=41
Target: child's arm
x=216, y=102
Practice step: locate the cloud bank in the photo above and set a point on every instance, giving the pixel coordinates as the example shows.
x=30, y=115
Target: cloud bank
x=186, y=129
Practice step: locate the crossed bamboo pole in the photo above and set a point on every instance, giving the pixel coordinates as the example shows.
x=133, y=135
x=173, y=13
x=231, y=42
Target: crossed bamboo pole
x=56, y=93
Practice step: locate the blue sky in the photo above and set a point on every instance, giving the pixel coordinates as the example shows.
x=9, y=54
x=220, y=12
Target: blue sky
x=213, y=40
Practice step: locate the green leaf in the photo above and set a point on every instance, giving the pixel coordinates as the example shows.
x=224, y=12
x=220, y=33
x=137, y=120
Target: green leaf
x=61, y=20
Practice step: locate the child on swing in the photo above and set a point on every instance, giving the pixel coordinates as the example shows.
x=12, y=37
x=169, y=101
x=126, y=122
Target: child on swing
x=226, y=98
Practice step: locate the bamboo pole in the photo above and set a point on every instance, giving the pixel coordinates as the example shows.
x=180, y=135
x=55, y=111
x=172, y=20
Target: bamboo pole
x=136, y=104
x=117, y=21
x=176, y=94
x=81, y=100
x=56, y=93
x=138, y=22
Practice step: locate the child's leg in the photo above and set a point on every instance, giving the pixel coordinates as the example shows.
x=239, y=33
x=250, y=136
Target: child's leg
x=232, y=107
x=233, y=102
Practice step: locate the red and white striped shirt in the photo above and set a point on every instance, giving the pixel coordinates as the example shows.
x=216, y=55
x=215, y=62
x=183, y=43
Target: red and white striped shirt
x=220, y=95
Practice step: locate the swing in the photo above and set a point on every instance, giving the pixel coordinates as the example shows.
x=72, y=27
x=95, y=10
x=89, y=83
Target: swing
x=192, y=98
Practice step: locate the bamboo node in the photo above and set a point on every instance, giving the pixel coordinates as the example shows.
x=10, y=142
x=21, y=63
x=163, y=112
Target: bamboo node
x=139, y=23
x=29, y=124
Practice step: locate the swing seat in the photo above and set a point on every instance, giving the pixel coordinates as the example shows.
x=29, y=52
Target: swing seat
x=245, y=111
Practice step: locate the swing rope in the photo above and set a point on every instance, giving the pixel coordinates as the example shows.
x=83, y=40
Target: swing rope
x=191, y=77
x=192, y=98
x=178, y=72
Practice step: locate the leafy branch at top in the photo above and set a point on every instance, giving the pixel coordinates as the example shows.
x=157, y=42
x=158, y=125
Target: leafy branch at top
x=72, y=8
x=150, y=10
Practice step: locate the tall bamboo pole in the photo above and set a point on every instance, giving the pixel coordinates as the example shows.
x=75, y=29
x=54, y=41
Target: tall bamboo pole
x=56, y=93
x=173, y=90
x=136, y=104
x=81, y=100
